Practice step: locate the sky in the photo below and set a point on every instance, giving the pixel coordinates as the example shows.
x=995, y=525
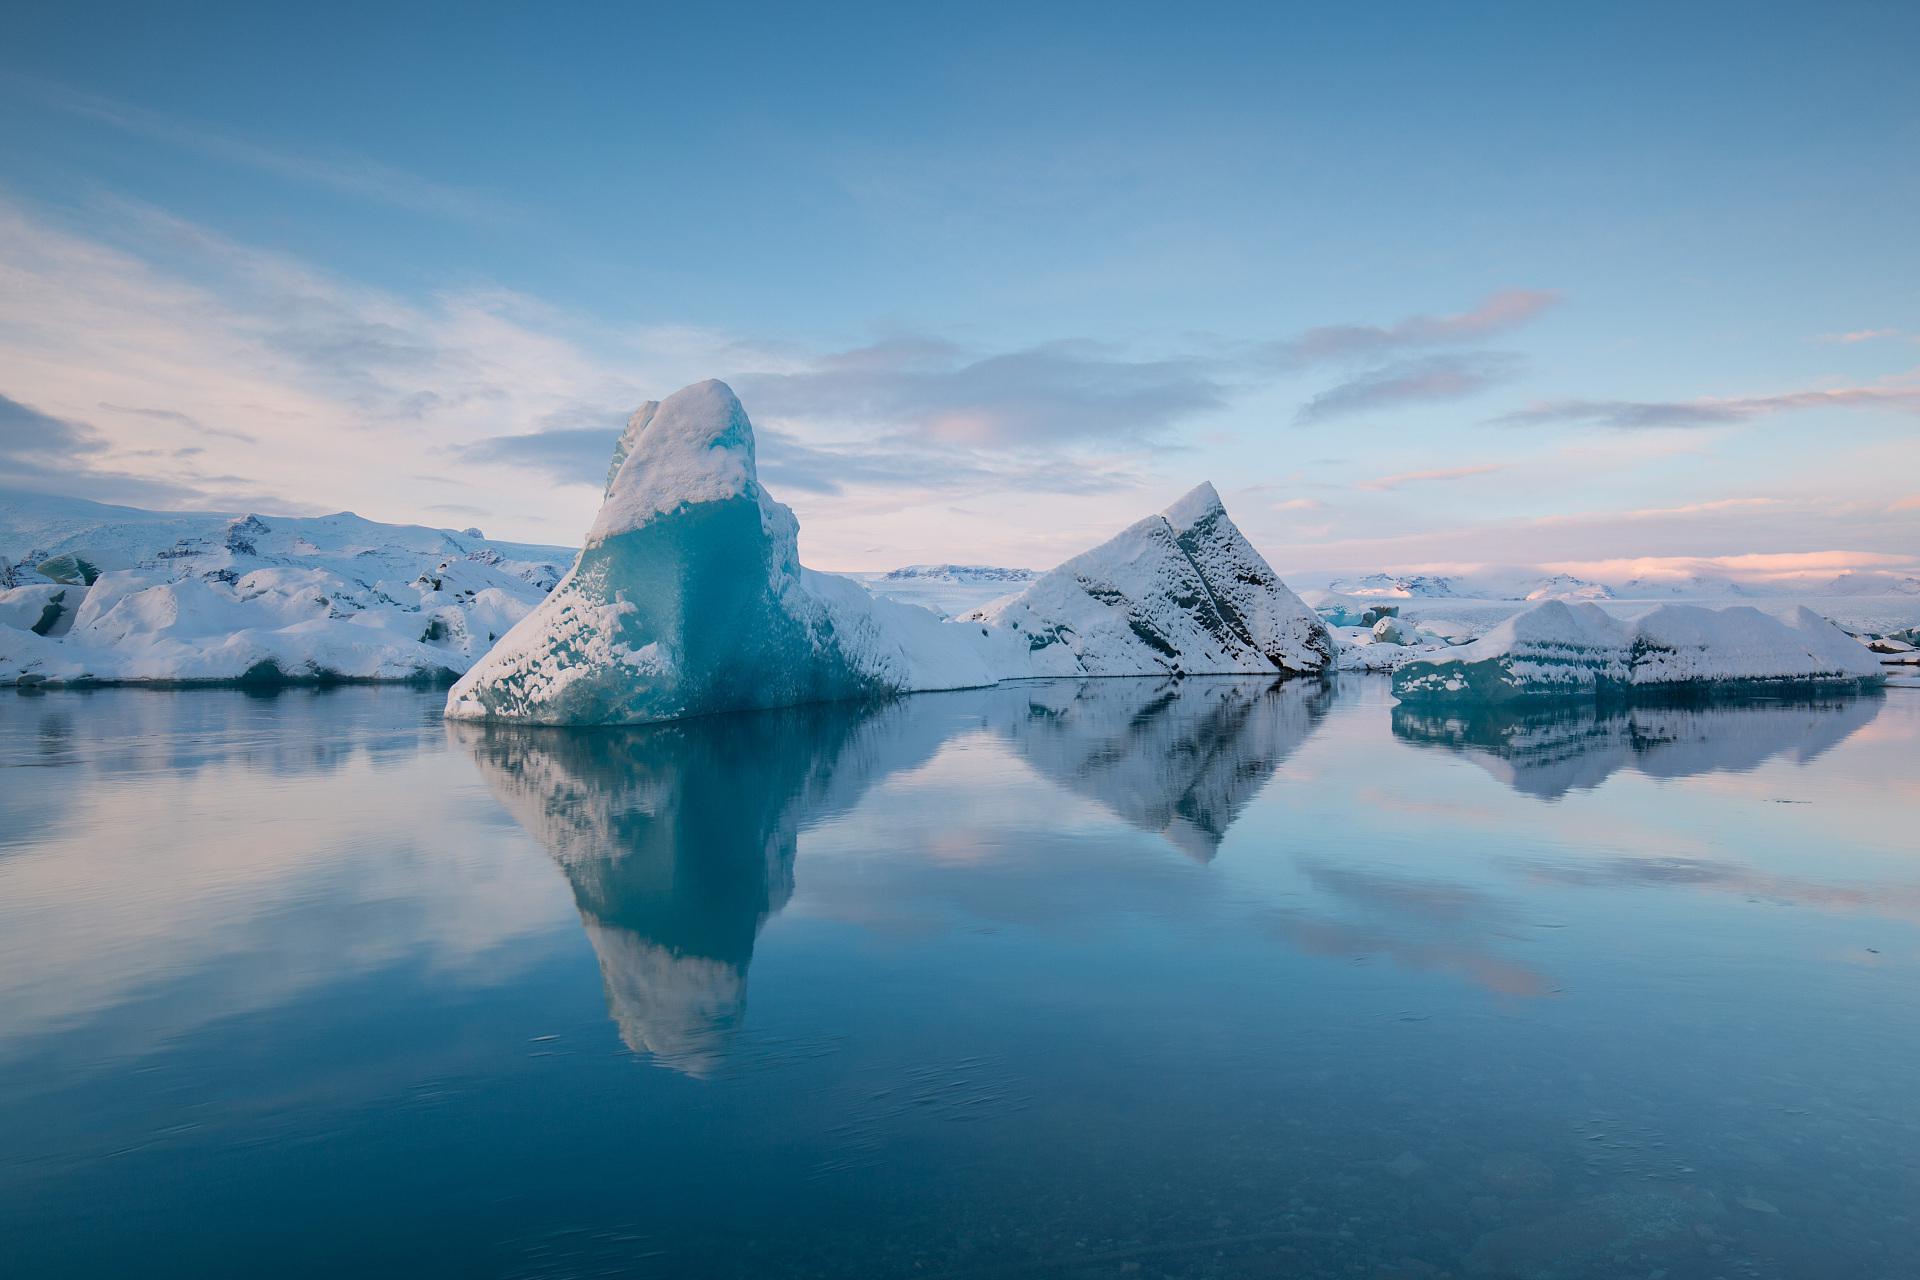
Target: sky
x=1413, y=285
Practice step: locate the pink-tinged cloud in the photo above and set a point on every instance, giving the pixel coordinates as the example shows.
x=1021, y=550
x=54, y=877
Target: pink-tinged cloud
x=1708, y=411
x=1860, y=335
x=1701, y=508
x=1757, y=567
x=1381, y=484
x=1909, y=503
x=1299, y=504
x=1496, y=313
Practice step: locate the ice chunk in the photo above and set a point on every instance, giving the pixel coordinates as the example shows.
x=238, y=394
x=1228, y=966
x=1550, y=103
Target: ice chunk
x=689, y=598
x=636, y=423
x=1558, y=650
x=1177, y=593
x=1249, y=595
x=1391, y=630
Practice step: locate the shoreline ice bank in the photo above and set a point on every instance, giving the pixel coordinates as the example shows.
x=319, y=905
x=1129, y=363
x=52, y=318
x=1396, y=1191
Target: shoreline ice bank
x=689, y=599
x=1557, y=651
x=94, y=594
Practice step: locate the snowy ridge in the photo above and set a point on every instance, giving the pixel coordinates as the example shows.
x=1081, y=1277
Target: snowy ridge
x=1555, y=650
x=957, y=573
x=690, y=598
x=1397, y=586
x=91, y=593
x=1177, y=593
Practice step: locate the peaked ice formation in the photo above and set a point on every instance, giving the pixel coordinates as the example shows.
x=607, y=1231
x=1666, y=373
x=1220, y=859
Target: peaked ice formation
x=689, y=598
x=1179, y=593
x=1556, y=650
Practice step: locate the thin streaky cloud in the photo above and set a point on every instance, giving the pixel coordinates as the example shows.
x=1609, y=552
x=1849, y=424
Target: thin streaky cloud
x=940, y=392
x=1631, y=415
x=174, y=416
x=351, y=174
x=1495, y=314
x=1425, y=379
x=1698, y=508
x=1382, y=484
x=1859, y=335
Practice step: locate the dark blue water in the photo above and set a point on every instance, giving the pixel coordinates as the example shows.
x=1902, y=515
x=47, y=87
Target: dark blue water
x=1228, y=980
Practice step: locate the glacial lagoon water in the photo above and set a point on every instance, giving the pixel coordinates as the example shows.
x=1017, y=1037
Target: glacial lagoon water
x=1225, y=979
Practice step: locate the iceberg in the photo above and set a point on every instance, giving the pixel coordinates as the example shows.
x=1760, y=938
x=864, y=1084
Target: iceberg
x=1179, y=593
x=1556, y=650
x=689, y=599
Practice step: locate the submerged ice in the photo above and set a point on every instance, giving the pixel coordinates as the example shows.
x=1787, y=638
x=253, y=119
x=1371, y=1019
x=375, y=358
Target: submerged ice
x=689, y=598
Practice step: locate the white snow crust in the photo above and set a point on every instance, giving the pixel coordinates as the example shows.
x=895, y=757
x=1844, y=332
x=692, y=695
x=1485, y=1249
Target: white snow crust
x=689, y=598
x=209, y=597
x=1559, y=650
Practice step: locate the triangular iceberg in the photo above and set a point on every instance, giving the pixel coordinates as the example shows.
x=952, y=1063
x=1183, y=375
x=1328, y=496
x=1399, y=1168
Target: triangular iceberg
x=1179, y=593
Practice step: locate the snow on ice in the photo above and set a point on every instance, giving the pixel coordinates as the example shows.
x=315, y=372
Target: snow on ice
x=1557, y=650
x=91, y=593
x=689, y=598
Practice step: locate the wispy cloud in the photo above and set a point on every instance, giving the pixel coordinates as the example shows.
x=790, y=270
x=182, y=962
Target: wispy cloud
x=1386, y=483
x=1708, y=412
x=43, y=452
x=1452, y=376
x=1495, y=314
x=1701, y=508
x=350, y=174
x=940, y=391
x=1859, y=335
x=180, y=419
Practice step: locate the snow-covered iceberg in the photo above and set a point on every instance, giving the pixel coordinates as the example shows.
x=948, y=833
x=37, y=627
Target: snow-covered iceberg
x=689, y=598
x=1556, y=650
x=1179, y=593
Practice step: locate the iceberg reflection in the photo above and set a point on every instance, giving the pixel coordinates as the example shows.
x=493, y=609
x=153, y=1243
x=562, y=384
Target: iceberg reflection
x=679, y=839
x=1547, y=753
x=1178, y=758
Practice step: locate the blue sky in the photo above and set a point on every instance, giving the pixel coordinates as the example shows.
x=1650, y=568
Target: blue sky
x=1414, y=285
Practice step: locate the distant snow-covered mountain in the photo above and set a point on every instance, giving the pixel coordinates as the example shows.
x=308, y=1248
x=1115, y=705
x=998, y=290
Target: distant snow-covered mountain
x=957, y=573
x=948, y=589
x=1564, y=586
x=1872, y=584
x=90, y=591
x=1696, y=586
x=1388, y=586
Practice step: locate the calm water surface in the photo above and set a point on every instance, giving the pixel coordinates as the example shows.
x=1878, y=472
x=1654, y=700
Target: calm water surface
x=1228, y=980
